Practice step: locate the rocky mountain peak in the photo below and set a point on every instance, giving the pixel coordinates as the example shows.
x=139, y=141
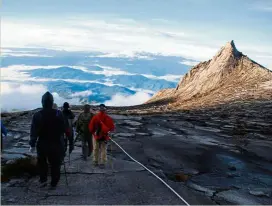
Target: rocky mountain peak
x=229, y=50
x=229, y=73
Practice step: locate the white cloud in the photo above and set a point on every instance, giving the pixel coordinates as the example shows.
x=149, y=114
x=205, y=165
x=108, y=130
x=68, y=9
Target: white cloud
x=26, y=96
x=82, y=94
x=117, y=38
x=123, y=100
x=168, y=77
x=132, y=55
x=15, y=73
x=21, y=53
x=189, y=63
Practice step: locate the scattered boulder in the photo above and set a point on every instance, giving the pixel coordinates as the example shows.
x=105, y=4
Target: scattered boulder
x=132, y=123
x=261, y=192
x=19, y=167
x=232, y=168
x=207, y=191
x=125, y=134
x=25, y=138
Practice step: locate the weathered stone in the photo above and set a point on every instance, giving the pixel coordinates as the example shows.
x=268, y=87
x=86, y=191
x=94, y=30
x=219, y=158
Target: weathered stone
x=232, y=167
x=232, y=174
x=16, y=136
x=25, y=138
x=207, y=191
x=125, y=134
x=132, y=123
x=261, y=192
x=238, y=197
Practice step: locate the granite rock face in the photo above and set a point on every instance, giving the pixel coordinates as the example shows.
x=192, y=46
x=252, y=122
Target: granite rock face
x=228, y=77
x=207, y=156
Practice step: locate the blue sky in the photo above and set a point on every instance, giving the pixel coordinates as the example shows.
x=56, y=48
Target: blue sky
x=193, y=29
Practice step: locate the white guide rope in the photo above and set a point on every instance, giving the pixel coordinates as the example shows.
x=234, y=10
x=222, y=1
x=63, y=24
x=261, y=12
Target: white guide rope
x=152, y=173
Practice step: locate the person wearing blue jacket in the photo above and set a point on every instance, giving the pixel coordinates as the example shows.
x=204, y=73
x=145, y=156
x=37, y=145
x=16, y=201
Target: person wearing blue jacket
x=3, y=132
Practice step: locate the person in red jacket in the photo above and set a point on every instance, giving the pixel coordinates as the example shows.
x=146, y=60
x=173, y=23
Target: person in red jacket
x=100, y=126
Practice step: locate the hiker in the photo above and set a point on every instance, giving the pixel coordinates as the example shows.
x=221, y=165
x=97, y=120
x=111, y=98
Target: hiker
x=3, y=132
x=47, y=130
x=82, y=128
x=55, y=106
x=69, y=118
x=100, y=126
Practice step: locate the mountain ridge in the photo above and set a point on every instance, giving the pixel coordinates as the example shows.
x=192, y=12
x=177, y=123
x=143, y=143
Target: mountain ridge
x=228, y=76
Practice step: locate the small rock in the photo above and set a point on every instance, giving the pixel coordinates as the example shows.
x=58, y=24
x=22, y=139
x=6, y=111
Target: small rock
x=125, y=134
x=18, y=144
x=11, y=200
x=231, y=174
x=17, y=137
x=131, y=128
x=232, y=168
x=207, y=191
x=25, y=138
x=132, y=123
x=142, y=134
x=10, y=162
x=181, y=177
x=261, y=192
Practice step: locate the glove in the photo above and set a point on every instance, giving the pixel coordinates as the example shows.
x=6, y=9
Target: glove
x=68, y=133
x=32, y=149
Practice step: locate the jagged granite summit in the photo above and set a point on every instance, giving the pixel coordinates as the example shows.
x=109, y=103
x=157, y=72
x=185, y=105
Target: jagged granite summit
x=229, y=76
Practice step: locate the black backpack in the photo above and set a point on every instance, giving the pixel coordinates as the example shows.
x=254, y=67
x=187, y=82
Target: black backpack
x=51, y=125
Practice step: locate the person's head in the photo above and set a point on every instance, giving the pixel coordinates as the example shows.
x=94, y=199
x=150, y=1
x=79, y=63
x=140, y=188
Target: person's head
x=87, y=108
x=47, y=100
x=66, y=105
x=55, y=106
x=102, y=108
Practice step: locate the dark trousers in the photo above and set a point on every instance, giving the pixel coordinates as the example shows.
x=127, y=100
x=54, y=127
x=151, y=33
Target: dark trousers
x=1, y=142
x=53, y=157
x=69, y=139
x=86, y=150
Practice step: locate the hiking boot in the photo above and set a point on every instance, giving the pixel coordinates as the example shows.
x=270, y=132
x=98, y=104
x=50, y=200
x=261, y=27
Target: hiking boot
x=53, y=185
x=95, y=164
x=43, y=184
x=102, y=166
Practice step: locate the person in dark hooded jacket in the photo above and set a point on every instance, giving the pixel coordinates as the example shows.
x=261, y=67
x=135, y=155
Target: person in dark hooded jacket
x=3, y=132
x=47, y=129
x=69, y=120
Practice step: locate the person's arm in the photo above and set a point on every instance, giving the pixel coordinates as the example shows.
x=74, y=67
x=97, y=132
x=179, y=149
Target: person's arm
x=78, y=123
x=72, y=115
x=92, y=125
x=62, y=123
x=3, y=129
x=34, y=130
x=110, y=124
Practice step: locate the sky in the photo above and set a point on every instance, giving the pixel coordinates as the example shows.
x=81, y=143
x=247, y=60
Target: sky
x=194, y=29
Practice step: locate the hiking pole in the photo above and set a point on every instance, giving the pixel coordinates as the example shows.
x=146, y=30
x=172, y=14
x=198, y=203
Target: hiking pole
x=65, y=173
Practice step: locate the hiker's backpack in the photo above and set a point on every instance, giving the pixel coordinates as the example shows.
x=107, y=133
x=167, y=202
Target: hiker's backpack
x=84, y=121
x=51, y=125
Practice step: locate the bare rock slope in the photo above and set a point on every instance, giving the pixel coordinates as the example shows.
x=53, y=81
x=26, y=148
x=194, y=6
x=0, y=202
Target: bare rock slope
x=229, y=76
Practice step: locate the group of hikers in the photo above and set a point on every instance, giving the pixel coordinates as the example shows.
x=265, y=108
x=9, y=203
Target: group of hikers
x=52, y=131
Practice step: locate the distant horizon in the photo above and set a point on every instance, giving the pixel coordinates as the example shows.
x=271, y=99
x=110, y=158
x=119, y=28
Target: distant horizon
x=116, y=52
x=188, y=28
